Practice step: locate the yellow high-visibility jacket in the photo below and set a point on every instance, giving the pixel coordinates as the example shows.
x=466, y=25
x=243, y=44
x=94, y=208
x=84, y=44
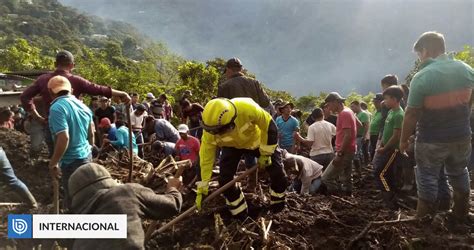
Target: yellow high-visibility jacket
x=254, y=128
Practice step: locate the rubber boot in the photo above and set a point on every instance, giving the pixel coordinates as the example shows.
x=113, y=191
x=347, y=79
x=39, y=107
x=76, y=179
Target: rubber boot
x=461, y=206
x=390, y=200
x=444, y=205
x=424, y=208
x=357, y=170
x=27, y=197
x=408, y=176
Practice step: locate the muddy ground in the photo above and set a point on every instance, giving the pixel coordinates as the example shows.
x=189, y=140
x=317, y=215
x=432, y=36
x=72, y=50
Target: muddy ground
x=319, y=222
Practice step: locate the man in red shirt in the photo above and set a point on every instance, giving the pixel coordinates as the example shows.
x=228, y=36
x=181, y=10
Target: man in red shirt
x=187, y=147
x=346, y=132
x=64, y=66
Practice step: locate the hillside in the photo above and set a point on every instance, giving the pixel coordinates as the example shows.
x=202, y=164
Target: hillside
x=107, y=52
x=117, y=54
x=298, y=46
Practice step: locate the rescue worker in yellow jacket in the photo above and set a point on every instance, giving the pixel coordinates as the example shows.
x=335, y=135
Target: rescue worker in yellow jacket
x=240, y=126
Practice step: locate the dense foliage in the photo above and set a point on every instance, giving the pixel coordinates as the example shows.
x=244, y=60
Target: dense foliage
x=116, y=54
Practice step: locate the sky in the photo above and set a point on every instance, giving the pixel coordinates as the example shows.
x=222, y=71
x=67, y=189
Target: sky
x=300, y=46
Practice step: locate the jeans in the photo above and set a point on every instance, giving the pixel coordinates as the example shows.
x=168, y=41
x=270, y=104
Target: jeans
x=373, y=145
x=315, y=184
x=67, y=170
x=343, y=172
x=384, y=170
x=323, y=159
x=195, y=130
x=139, y=140
x=49, y=140
x=8, y=177
x=37, y=137
x=430, y=160
x=359, y=153
x=289, y=149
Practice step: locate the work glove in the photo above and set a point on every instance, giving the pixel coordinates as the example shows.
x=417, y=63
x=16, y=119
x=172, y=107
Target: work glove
x=202, y=189
x=264, y=161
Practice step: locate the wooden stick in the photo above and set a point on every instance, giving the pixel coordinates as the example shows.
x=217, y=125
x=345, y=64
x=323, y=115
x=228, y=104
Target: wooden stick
x=343, y=200
x=10, y=204
x=373, y=223
x=56, y=195
x=178, y=174
x=130, y=143
x=192, y=209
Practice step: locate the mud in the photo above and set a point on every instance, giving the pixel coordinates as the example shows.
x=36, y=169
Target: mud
x=307, y=222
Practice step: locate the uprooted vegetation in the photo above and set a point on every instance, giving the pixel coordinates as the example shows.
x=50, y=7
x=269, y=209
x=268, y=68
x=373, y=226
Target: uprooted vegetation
x=326, y=222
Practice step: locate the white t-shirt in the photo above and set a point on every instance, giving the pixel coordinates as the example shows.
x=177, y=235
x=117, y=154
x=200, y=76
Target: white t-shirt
x=137, y=121
x=321, y=133
x=310, y=170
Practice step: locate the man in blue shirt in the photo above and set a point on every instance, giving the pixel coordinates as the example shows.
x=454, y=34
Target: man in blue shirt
x=287, y=126
x=122, y=141
x=163, y=129
x=71, y=124
x=108, y=128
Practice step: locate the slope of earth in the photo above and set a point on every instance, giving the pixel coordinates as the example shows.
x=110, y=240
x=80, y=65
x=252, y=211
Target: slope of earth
x=314, y=222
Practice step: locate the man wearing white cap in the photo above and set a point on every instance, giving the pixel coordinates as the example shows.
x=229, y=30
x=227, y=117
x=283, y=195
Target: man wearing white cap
x=187, y=147
x=149, y=98
x=72, y=128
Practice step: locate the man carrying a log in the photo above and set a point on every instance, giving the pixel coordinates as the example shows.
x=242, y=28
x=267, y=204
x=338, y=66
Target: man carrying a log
x=93, y=191
x=240, y=126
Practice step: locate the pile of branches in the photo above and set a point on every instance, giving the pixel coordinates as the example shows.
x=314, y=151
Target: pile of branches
x=118, y=164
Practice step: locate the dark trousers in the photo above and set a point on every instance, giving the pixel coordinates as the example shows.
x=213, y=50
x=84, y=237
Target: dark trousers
x=139, y=140
x=230, y=159
x=195, y=130
x=385, y=165
x=365, y=151
x=67, y=170
x=48, y=138
x=373, y=145
x=323, y=159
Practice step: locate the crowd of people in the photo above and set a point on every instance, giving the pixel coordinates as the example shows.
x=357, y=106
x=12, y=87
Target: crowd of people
x=422, y=132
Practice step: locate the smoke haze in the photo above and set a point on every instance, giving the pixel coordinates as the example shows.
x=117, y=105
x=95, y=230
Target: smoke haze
x=299, y=46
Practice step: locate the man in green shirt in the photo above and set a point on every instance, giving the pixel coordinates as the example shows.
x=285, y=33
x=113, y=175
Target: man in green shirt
x=375, y=123
x=387, y=155
x=439, y=108
x=362, y=131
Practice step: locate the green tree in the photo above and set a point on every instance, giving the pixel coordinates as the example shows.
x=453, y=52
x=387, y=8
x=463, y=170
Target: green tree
x=466, y=55
x=20, y=55
x=198, y=78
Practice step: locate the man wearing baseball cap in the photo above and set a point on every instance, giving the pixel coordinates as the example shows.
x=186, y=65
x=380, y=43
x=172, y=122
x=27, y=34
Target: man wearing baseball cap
x=70, y=123
x=187, y=147
x=287, y=125
x=346, y=132
x=64, y=66
x=239, y=85
x=108, y=129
